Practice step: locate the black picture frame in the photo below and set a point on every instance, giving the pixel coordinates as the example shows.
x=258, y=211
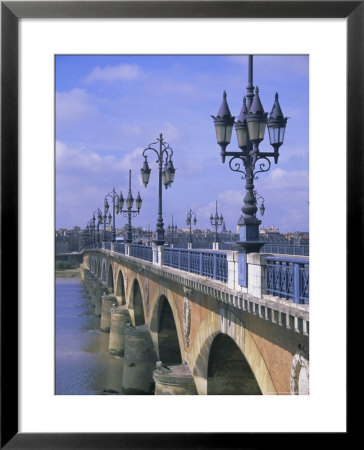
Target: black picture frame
x=11, y=12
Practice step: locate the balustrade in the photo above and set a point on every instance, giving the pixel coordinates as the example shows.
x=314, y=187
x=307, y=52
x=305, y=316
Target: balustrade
x=205, y=263
x=119, y=247
x=286, y=249
x=141, y=251
x=285, y=277
x=288, y=278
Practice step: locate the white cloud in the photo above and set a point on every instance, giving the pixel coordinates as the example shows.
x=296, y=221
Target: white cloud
x=73, y=159
x=284, y=180
x=74, y=104
x=122, y=72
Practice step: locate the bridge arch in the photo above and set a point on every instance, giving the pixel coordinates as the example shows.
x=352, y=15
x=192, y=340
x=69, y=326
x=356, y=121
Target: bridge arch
x=228, y=371
x=103, y=271
x=110, y=279
x=99, y=268
x=120, y=288
x=225, y=322
x=166, y=331
x=136, y=306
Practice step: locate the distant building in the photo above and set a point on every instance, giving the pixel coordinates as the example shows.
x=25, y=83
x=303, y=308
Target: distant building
x=272, y=235
x=67, y=241
x=298, y=238
x=239, y=224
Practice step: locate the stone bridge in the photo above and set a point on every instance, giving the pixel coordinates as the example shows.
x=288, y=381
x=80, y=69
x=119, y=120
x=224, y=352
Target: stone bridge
x=183, y=333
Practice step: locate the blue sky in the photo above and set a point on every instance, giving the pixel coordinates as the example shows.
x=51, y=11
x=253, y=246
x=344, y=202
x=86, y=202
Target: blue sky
x=110, y=107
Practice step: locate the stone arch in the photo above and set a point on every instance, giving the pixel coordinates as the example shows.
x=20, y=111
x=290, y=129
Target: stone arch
x=136, y=306
x=225, y=321
x=103, y=271
x=99, y=268
x=154, y=322
x=166, y=331
x=110, y=279
x=120, y=288
x=228, y=371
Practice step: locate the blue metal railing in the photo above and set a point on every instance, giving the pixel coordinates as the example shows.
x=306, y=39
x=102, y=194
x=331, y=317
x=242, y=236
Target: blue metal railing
x=210, y=264
x=288, y=278
x=141, y=251
x=286, y=249
x=119, y=247
x=92, y=246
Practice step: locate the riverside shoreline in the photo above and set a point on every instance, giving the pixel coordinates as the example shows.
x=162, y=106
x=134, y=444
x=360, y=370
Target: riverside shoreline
x=68, y=273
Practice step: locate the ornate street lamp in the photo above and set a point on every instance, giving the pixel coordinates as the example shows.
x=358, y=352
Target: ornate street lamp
x=99, y=221
x=90, y=228
x=129, y=211
x=171, y=229
x=189, y=222
x=166, y=175
x=216, y=222
x=105, y=220
x=115, y=209
x=87, y=234
x=259, y=197
x=250, y=128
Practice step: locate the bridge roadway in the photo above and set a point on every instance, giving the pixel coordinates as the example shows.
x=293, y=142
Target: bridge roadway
x=182, y=333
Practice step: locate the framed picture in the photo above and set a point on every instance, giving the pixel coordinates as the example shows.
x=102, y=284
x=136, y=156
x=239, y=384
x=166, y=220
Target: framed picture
x=20, y=212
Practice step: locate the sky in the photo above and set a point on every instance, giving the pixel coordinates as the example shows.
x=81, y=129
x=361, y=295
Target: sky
x=110, y=107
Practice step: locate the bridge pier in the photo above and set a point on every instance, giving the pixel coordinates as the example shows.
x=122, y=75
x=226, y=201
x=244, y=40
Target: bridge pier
x=90, y=282
x=100, y=292
x=94, y=287
x=82, y=273
x=174, y=380
x=96, y=292
x=139, y=361
x=107, y=302
x=119, y=317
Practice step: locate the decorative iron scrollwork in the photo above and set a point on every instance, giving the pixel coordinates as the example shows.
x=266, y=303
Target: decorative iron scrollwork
x=263, y=166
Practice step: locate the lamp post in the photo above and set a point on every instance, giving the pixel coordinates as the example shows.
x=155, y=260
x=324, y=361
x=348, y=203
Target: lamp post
x=129, y=212
x=87, y=233
x=166, y=175
x=105, y=220
x=259, y=197
x=149, y=235
x=90, y=229
x=171, y=229
x=189, y=223
x=99, y=221
x=216, y=222
x=250, y=128
x=115, y=208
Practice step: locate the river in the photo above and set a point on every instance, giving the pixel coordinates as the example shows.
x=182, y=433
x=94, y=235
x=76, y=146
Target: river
x=84, y=365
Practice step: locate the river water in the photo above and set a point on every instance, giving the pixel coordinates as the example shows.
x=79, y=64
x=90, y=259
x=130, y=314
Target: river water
x=84, y=365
